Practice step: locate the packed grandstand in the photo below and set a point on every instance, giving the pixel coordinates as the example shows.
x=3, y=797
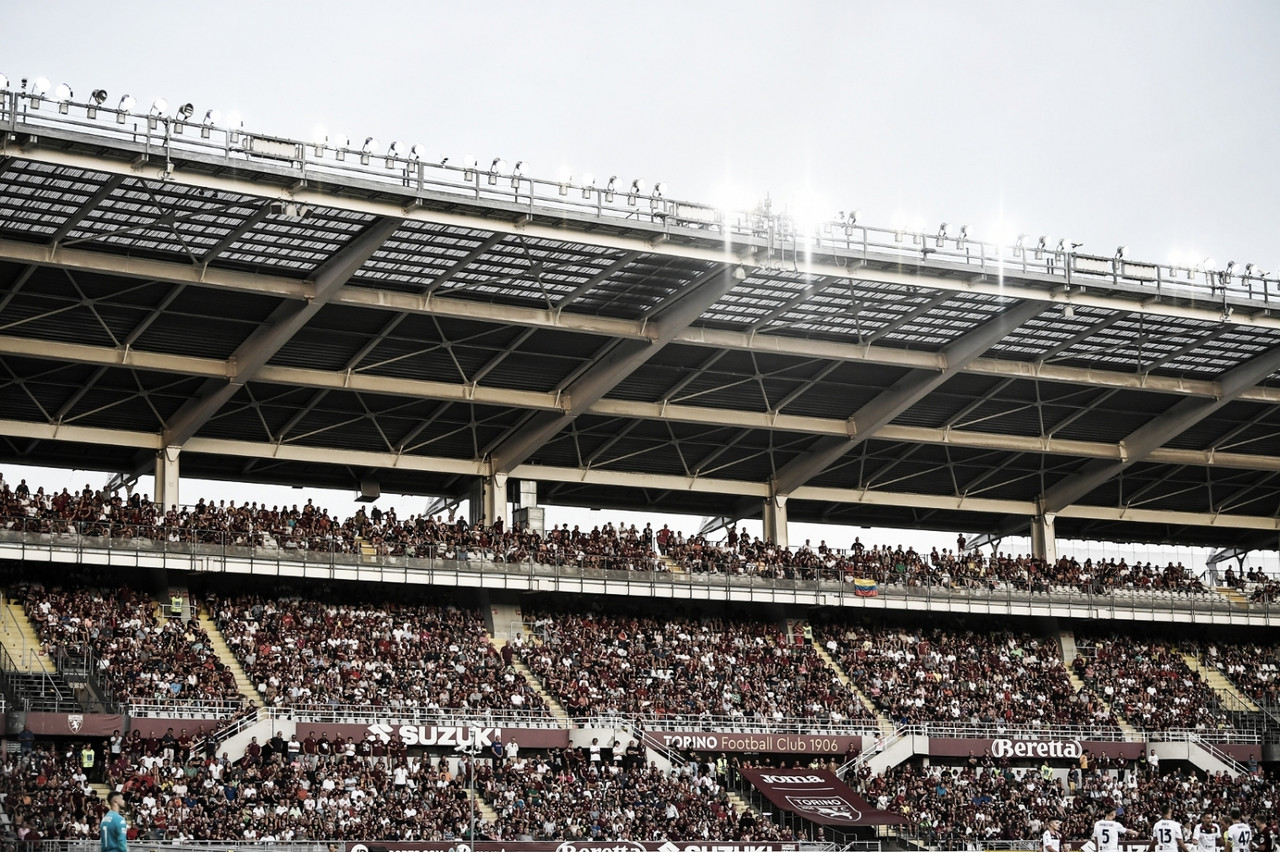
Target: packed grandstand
x=317, y=657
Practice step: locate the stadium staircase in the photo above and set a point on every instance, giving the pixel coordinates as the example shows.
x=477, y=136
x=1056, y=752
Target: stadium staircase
x=484, y=811
x=219, y=646
x=670, y=564
x=1231, y=697
x=367, y=550
x=556, y=708
x=1131, y=733
x=18, y=635
x=1234, y=595
x=882, y=721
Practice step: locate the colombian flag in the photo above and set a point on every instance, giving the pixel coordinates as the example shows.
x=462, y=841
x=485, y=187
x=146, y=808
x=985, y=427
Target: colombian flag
x=864, y=588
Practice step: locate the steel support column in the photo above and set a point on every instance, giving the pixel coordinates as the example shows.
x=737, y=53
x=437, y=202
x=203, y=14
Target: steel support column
x=166, y=493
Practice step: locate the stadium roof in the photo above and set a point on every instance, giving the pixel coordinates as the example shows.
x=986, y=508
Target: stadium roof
x=293, y=313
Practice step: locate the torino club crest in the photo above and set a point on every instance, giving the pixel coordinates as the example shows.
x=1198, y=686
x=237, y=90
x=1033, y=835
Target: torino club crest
x=75, y=722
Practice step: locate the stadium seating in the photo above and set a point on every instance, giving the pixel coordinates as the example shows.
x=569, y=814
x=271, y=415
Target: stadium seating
x=964, y=677
x=742, y=674
x=312, y=652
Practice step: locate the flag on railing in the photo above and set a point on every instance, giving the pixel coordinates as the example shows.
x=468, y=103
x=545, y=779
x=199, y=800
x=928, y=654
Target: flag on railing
x=864, y=587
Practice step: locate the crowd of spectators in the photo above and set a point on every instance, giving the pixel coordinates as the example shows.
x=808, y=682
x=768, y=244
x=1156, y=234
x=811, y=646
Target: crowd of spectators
x=1148, y=683
x=961, y=568
x=1252, y=667
x=139, y=655
x=954, y=807
x=318, y=652
x=274, y=795
x=741, y=672
x=312, y=529
x=964, y=677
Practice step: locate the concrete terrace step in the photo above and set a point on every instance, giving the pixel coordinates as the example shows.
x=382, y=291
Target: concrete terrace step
x=1221, y=684
x=228, y=657
x=1079, y=686
x=19, y=638
x=556, y=708
x=882, y=721
x=1236, y=596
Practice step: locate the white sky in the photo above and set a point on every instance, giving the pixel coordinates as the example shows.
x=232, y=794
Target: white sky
x=1149, y=124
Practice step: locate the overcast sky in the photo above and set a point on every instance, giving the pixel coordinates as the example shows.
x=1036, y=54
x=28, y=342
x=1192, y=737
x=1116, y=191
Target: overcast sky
x=1149, y=124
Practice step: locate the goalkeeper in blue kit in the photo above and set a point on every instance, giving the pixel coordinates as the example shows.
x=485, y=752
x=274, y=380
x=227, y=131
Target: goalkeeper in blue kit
x=113, y=834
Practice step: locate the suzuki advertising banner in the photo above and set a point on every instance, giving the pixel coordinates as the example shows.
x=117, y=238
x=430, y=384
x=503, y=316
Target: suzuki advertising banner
x=817, y=795
x=440, y=736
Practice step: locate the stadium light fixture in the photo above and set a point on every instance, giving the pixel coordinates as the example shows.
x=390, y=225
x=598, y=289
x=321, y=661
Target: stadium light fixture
x=588, y=185
x=96, y=99
x=659, y=189
x=637, y=187
x=366, y=150
x=4, y=83
x=394, y=151
x=611, y=188
x=1019, y=246
x=38, y=89
x=498, y=165
x=963, y=237
x=186, y=111
x=416, y=152
x=517, y=173
x=127, y=103
x=211, y=117
x=1230, y=271
x=1121, y=251
x=158, y=108
x=469, y=164
x=340, y=143
x=942, y=235
x=62, y=96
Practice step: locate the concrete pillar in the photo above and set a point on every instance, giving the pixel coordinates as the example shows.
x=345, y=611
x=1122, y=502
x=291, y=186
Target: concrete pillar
x=1044, y=545
x=489, y=500
x=528, y=493
x=775, y=519
x=167, y=478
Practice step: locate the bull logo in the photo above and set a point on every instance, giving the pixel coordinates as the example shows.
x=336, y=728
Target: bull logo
x=75, y=722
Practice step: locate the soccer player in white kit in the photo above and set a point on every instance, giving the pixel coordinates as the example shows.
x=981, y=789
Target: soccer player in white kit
x=1207, y=835
x=1166, y=834
x=1052, y=839
x=1239, y=835
x=1107, y=832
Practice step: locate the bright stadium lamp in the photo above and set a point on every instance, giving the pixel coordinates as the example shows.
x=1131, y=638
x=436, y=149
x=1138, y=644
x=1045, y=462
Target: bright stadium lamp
x=416, y=152
x=942, y=235
x=469, y=164
x=96, y=99
x=186, y=111
x=39, y=86
x=395, y=151
x=4, y=83
x=517, y=173
x=611, y=188
x=211, y=118
x=158, y=106
x=62, y=95
x=498, y=165
x=659, y=189
x=637, y=187
x=366, y=150
x=1121, y=251
x=127, y=103
x=588, y=185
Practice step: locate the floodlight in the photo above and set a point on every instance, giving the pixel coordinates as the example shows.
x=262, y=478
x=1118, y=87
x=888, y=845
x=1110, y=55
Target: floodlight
x=98, y=96
x=1062, y=245
x=1250, y=269
x=40, y=86
x=964, y=234
x=4, y=83
x=211, y=117
x=942, y=235
x=158, y=106
x=659, y=189
x=395, y=149
x=370, y=143
x=637, y=187
x=127, y=103
x=1231, y=268
x=1018, y=246
x=518, y=172
x=1120, y=252
x=416, y=152
x=186, y=111
x=610, y=188
x=498, y=165
x=341, y=144
x=469, y=164
x=63, y=95
x=588, y=185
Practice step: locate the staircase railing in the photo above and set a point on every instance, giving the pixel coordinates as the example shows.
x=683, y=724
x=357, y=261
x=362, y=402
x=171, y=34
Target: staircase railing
x=1235, y=766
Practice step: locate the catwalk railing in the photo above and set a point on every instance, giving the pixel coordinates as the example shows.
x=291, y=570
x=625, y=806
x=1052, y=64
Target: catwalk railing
x=164, y=143
x=28, y=540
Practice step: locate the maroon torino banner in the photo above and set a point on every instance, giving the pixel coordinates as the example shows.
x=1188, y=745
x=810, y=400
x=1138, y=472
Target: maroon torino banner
x=836, y=746
x=1034, y=749
x=440, y=736
x=570, y=846
x=68, y=724
x=817, y=795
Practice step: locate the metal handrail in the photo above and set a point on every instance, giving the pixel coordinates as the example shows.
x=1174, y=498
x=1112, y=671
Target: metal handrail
x=161, y=141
